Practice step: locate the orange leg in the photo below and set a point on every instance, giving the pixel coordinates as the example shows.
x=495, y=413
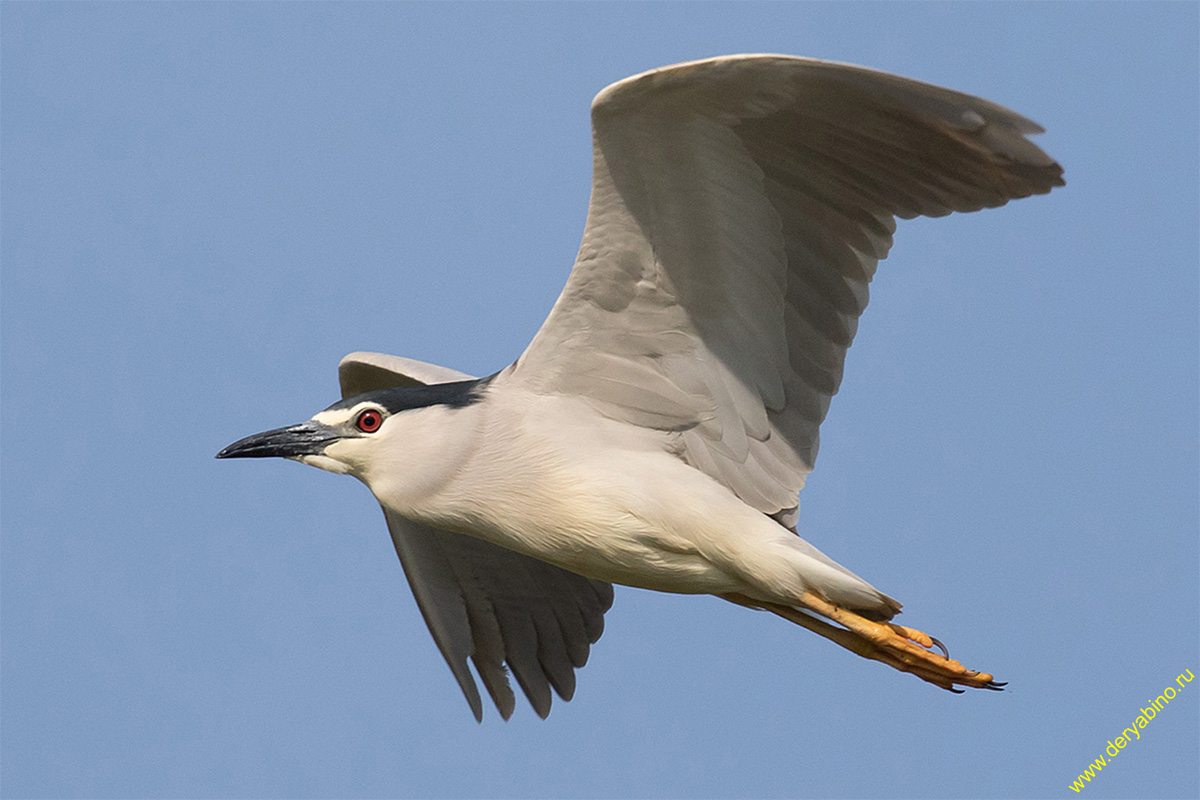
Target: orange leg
x=905, y=649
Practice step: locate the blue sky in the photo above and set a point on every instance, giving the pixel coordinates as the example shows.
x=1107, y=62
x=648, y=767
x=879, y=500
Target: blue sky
x=206, y=205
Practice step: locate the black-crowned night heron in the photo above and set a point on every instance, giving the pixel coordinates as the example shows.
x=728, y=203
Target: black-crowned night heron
x=657, y=430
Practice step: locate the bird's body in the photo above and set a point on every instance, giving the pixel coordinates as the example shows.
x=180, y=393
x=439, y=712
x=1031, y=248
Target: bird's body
x=658, y=428
x=550, y=477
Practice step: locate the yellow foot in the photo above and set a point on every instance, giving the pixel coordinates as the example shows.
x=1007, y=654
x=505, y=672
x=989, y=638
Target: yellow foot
x=905, y=649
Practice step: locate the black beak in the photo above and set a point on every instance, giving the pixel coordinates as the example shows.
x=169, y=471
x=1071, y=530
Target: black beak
x=306, y=439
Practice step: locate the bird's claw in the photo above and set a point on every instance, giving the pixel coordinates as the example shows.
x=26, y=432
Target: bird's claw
x=906, y=649
x=938, y=643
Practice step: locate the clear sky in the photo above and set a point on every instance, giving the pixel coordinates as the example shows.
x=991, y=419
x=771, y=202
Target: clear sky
x=206, y=205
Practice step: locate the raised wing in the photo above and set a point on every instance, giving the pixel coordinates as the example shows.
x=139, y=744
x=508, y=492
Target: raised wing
x=739, y=208
x=481, y=601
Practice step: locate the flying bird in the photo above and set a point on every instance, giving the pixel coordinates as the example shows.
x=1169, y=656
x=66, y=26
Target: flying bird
x=658, y=429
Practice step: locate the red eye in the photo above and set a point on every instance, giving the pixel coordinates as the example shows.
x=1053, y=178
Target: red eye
x=368, y=421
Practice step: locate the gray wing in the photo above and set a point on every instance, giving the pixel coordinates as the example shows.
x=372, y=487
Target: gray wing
x=500, y=607
x=739, y=208
x=365, y=372
x=482, y=601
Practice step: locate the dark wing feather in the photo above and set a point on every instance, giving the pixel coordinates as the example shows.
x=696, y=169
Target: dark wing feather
x=498, y=607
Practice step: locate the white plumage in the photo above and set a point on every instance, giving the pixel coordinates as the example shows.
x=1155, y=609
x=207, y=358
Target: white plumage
x=658, y=428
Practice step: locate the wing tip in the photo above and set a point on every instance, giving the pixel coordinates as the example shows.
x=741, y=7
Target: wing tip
x=364, y=371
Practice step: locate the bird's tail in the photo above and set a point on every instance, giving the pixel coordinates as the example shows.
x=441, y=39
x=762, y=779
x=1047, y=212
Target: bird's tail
x=840, y=586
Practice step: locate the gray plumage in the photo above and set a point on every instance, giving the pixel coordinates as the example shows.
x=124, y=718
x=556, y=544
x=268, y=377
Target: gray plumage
x=658, y=428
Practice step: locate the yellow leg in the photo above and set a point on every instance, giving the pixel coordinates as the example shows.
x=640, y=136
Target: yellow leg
x=902, y=648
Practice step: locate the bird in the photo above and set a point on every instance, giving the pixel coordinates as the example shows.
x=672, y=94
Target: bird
x=658, y=429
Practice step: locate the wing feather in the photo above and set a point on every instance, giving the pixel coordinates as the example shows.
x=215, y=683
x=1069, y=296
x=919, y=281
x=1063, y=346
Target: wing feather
x=498, y=607
x=739, y=208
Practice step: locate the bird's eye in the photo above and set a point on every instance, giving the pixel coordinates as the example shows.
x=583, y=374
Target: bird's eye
x=368, y=421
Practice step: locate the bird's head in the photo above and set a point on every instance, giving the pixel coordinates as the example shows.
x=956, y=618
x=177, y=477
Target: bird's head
x=397, y=439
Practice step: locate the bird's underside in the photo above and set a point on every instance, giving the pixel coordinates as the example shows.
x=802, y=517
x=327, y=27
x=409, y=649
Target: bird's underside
x=740, y=206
